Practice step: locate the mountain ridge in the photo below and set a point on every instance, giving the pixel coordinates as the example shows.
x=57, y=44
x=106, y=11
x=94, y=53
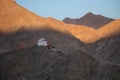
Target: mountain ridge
x=90, y=19
x=15, y=18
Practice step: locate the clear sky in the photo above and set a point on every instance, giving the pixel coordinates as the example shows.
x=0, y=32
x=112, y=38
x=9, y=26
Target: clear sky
x=60, y=9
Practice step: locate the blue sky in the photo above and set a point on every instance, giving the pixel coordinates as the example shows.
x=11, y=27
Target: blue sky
x=60, y=9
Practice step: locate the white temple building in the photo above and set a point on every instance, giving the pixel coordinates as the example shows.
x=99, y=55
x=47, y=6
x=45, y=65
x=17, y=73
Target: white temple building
x=42, y=42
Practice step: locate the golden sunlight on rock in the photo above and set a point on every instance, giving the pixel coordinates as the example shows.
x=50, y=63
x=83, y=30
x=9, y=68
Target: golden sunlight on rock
x=14, y=18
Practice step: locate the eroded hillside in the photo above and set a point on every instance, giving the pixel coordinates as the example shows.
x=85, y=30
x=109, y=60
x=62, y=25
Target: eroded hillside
x=14, y=18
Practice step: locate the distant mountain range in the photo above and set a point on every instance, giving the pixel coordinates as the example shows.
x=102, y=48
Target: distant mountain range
x=90, y=19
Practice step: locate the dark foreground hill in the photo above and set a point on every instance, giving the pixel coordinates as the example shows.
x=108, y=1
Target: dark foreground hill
x=39, y=63
x=72, y=59
x=90, y=19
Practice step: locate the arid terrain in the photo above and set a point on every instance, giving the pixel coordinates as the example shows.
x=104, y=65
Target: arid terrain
x=85, y=48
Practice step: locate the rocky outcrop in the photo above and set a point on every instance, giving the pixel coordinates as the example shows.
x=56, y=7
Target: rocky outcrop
x=90, y=19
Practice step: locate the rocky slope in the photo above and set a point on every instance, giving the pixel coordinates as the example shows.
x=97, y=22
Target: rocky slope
x=29, y=21
x=90, y=19
x=26, y=38
x=40, y=63
x=73, y=59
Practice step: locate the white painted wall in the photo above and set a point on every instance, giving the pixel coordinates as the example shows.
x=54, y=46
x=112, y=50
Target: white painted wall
x=42, y=42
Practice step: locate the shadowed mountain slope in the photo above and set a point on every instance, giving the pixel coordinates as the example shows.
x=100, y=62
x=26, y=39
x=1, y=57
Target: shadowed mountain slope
x=90, y=19
x=106, y=49
x=40, y=63
x=28, y=38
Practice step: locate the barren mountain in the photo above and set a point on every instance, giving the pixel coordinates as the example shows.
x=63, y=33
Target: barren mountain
x=29, y=21
x=72, y=60
x=22, y=59
x=90, y=19
x=40, y=63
